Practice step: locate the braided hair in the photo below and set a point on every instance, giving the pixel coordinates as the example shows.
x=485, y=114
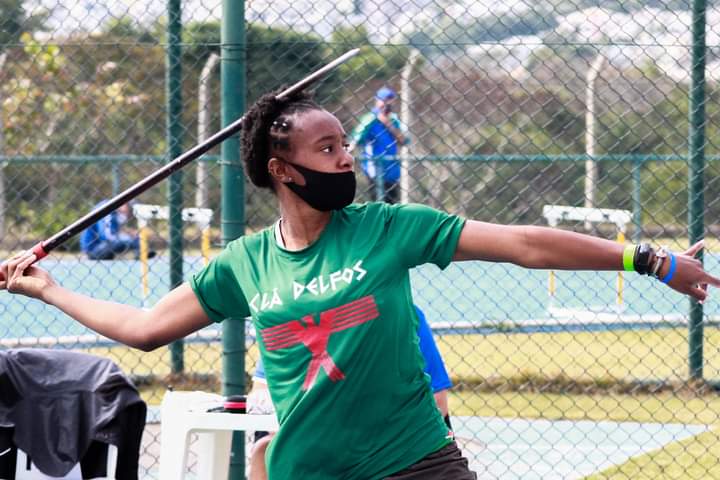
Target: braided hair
x=267, y=127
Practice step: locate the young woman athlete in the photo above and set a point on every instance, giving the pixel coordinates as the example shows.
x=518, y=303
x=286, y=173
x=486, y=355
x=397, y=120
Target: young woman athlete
x=332, y=305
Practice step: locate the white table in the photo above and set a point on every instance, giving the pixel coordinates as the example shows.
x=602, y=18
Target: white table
x=183, y=413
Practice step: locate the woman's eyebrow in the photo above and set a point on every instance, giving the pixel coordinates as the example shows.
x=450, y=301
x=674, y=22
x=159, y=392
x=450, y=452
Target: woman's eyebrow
x=332, y=137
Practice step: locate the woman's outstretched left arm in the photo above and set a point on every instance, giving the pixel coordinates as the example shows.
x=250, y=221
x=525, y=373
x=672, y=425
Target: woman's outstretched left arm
x=551, y=248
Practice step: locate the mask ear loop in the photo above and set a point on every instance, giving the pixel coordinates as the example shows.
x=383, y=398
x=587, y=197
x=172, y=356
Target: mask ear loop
x=290, y=179
x=286, y=178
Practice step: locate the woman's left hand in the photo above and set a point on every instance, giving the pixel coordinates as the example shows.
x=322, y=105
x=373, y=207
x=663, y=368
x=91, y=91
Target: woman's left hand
x=690, y=278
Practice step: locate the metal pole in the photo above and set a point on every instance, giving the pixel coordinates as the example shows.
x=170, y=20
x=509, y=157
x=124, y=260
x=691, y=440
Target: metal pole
x=115, y=178
x=696, y=172
x=201, y=172
x=591, y=172
x=379, y=162
x=232, y=72
x=3, y=202
x=405, y=118
x=173, y=75
x=637, y=200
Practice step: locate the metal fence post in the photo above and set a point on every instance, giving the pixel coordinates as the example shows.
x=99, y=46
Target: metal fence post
x=3, y=201
x=173, y=75
x=696, y=172
x=115, y=178
x=379, y=178
x=204, y=131
x=232, y=70
x=405, y=118
x=591, y=167
x=637, y=199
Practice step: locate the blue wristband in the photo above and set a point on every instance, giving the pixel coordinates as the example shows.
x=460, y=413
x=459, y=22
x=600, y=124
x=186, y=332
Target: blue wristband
x=671, y=271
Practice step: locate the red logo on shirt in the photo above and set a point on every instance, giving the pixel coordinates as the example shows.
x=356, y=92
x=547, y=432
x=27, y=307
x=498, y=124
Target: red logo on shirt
x=315, y=336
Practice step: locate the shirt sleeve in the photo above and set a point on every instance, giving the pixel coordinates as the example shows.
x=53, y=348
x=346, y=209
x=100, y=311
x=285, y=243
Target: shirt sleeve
x=434, y=365
x=108, y=231
x=359, y=134
x=218, y=289
x=403, y=129
x=259, y=370
x=422, y=234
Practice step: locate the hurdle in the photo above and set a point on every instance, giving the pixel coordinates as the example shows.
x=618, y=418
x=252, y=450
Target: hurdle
x=555, y=214
x=144, y=213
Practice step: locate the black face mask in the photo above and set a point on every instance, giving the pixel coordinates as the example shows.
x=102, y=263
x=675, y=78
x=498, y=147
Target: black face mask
x=325, y=191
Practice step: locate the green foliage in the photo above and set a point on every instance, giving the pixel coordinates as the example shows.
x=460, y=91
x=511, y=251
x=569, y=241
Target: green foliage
x=15, y=20
x=279, y=56
x=275, y=56
x=108, y=112
x=47, y=57
x=95, y=101
x=515, y=192
x=42, y=220
x=200, y=39
x=379, y=62
x=125, y=28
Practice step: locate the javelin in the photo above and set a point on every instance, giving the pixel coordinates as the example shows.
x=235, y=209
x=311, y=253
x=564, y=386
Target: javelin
x=43, y=248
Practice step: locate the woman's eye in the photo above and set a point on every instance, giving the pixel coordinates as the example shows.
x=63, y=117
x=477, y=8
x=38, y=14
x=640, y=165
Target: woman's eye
x=346, y=147
x=328, y=149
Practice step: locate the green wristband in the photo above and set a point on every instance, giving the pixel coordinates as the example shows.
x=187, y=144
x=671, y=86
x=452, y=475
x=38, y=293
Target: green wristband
x=628, y=255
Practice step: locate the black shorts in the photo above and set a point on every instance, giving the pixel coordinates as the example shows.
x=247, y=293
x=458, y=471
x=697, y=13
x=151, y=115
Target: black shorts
x=445, y=464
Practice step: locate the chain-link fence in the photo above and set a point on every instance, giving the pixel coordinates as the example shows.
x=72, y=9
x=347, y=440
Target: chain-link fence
x=510, y=108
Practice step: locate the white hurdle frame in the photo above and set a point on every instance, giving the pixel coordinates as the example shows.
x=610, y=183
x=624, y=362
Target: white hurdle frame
x=554, y=214
x=146, y=212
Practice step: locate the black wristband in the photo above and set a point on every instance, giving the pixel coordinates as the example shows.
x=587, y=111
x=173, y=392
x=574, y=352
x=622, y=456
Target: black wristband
x=641, y=259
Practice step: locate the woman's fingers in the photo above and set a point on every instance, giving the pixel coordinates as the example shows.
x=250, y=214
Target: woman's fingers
x=698, y=293
x=710, y=280
x=9, y=267
x=12, y=266
x=4, y=270
x=17, y=267
x=12, y=261
x=695, y=248
x=24, y=263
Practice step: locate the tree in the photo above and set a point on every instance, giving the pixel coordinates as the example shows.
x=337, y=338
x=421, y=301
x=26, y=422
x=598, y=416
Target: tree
x=14, y=21
x=124, y=28
x=48, y=111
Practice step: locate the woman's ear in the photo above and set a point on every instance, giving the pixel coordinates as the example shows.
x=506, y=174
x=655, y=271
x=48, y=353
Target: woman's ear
x=279, y=170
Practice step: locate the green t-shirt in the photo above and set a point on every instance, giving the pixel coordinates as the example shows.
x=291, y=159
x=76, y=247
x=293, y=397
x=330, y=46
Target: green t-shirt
x=337, y=333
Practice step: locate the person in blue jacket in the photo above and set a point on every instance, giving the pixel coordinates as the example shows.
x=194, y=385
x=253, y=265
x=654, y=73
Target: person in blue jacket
x=109, y=236
x=378, y=136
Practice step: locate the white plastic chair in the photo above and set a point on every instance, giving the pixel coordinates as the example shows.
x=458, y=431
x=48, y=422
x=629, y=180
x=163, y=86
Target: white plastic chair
x=183, y=413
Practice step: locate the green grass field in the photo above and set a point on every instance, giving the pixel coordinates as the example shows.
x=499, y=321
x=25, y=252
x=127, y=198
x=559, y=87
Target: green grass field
x=503, y=375
x=694, y=458
x=602, y=359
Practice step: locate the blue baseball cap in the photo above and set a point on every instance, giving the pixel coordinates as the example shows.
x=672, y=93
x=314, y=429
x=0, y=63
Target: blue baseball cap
x=385, y=94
